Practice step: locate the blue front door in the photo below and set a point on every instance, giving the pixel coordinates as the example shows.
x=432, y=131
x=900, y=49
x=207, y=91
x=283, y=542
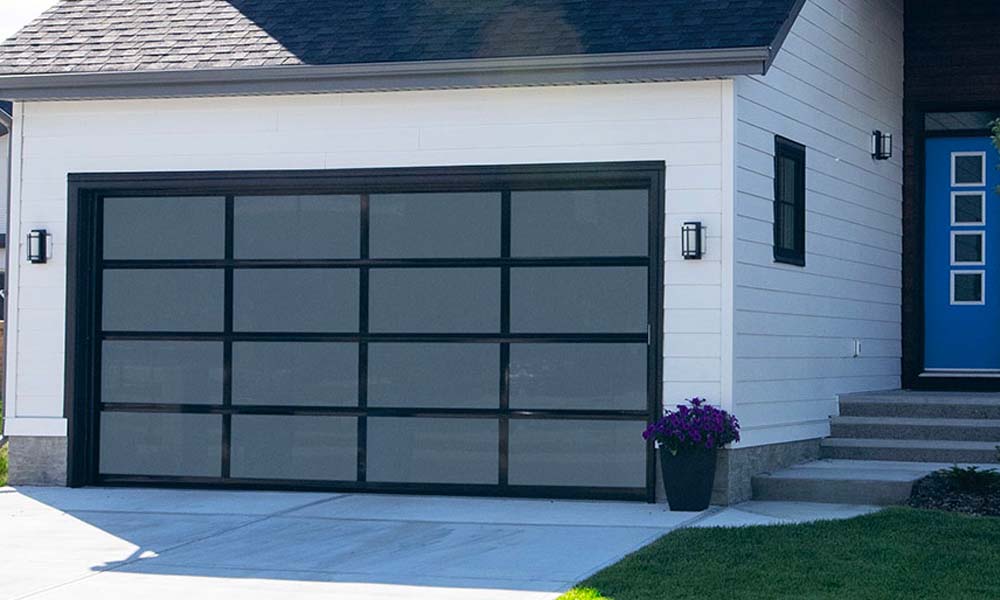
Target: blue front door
x=962, y=257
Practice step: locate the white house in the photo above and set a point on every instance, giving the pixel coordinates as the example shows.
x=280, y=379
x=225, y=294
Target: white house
x=418, y=246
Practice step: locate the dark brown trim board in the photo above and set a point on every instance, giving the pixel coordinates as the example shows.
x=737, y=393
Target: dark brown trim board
x=84, y=330
x=952, y=65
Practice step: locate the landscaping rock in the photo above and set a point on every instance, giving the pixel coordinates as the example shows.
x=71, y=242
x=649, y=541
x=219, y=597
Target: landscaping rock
x=939, y=491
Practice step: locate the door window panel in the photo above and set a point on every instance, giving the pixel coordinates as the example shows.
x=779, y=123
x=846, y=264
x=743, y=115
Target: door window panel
x=164, y=444
x=578, y=299
x=296, y=448
x=969, y=209
x=161, y=372
x=164, y=228
x=420, y=450
x=578, y=376
x=295, y=374
x=296, y=300
x=579, y=453
x=435, y=225
x=435, y=300
x=580, y=223
x=163, y=300
x=968, y=168
x=434, y=375
x=306, y=227
x=967, y=248
x=967, y=287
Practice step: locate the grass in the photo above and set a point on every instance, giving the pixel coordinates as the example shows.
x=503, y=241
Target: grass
x=898, y=553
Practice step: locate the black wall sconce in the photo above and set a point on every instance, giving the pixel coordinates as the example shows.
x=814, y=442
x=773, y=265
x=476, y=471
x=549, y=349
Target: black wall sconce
x=692, y=247
x=881, y=145
x=38, y=246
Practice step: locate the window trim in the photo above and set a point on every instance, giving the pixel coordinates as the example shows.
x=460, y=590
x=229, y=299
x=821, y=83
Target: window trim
x=785, y=148
x=954, y=208
x=982, y=292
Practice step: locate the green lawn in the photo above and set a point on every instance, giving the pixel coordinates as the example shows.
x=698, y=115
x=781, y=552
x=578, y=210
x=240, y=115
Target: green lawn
x=3, y=466
x=897, y=553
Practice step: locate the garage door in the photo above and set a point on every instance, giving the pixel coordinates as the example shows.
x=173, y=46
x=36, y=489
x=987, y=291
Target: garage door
x=447, y=331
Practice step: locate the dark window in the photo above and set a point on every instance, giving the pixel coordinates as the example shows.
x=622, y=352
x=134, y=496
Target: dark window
x=789, y=202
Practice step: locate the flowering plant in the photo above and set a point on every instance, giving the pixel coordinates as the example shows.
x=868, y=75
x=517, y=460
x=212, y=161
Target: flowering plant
x=698, y=426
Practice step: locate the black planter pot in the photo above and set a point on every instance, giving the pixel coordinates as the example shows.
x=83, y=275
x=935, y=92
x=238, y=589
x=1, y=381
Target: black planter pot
x=688, y=477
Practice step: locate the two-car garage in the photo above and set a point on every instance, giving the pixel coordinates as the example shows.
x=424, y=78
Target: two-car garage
x=460, y=330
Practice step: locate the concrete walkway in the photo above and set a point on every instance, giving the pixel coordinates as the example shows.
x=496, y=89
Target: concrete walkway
x=141, y=543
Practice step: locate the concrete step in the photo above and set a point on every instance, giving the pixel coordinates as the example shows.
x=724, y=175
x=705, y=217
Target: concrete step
x=944, y=451
x=844, y=481
x=906, y=428
x=929, y=405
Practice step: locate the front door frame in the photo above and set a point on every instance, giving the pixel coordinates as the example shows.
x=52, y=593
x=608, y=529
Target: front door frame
x=914, y=206
x=84, y=285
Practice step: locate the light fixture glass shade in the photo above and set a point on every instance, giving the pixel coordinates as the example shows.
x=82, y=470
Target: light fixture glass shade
x=38, y=246
x=691, y=240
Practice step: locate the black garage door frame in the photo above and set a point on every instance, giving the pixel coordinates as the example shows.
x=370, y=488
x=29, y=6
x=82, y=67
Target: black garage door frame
x=85, y=265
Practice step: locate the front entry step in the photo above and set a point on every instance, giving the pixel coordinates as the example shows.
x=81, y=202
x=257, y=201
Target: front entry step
x=940, y=451
x=903, y=428
x=922, y=405
x=836, y=481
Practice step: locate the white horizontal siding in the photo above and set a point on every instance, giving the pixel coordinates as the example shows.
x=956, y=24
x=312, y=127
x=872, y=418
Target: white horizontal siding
x=681, y=124
x=837, y=77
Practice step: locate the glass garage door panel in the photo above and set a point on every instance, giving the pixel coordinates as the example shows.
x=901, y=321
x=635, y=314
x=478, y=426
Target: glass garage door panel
x=485, y=331
x=189, y=300
x=435, y=225
x=435, y=300
x=161, y=444
x=162, y=372
x=434, y=375
x=164, y=228
x=578, y=300
x=312, y=227
x=436, y=450
x=580, y=223
x=577, y=453
x=306, y=448
x=295, y=300
x=295, y=374
x=578, y=376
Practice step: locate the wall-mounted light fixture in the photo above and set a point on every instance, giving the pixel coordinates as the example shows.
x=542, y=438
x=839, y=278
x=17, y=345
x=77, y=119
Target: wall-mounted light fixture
x=692, y=247
x=881, y=145
x=38, y=246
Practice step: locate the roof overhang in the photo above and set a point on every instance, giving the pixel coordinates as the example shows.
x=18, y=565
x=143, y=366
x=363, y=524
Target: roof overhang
x=449, y=74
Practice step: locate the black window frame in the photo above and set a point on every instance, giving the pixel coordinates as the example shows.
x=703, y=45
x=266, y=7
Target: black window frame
x=84, y=283
x=786, y=149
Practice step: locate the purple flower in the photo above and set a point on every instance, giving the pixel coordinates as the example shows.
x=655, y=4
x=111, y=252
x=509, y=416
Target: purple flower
x=694, y=425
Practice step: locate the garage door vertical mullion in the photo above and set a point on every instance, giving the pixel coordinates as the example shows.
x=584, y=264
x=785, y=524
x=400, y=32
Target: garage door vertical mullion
x=227, y=357
x=362, y=344
x=504, y=347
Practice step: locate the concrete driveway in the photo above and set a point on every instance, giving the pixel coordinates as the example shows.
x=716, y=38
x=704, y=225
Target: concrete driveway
x=151, y=544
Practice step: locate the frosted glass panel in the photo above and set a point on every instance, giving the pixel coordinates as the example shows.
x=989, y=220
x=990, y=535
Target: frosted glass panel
x=408, y=450
x=161, y=372
x=294, y=447
x=274, y=227
x=434, y=375
x=435, y=300
x=578, y=453
x=580, y=223
x=161, y=444
x=164, y=228
x=163, y=300
x=435, y=225
x=295, y=300
x=578, y=376
x=295, y=374
x=578, y=300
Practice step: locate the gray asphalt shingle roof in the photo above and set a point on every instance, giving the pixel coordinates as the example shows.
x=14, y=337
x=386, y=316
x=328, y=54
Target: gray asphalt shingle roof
x=154, y=35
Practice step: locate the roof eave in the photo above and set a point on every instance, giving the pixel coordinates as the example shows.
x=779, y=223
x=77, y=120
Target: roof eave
x=472, y=73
